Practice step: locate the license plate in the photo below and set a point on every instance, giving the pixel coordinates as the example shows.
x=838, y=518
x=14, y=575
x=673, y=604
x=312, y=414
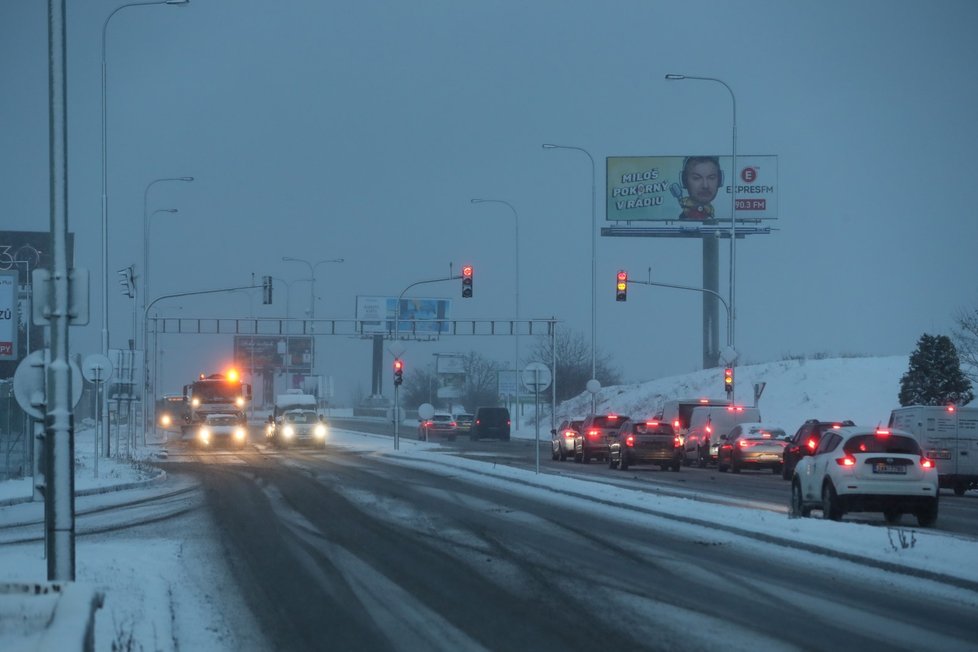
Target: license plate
x=889, y=468
x=770, y=456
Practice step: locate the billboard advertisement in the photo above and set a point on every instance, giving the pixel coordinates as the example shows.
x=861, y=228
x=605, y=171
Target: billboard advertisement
x=8, y=315
x=690, y=188
x=257, y=353
x=418, y=316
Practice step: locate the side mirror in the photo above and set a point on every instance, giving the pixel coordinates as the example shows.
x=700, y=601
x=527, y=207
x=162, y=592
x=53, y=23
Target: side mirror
x=553, y=431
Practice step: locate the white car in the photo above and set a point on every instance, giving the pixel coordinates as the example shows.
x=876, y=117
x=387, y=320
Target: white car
x=860, y=469
x=300, y=427
x=223, y=431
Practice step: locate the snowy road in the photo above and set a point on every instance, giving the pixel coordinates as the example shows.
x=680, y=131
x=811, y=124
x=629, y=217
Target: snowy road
x=347, y=550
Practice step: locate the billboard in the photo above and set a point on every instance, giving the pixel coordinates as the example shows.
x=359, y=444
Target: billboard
x=258, y=353
x=418, y=316
x=8, y=315
x=690, y=188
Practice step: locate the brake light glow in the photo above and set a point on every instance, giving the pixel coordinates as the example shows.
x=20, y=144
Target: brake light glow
x=677, y=441
x=927, y=463
x=744, y=443
x=880, y=432
x=593, y=433
x=675, y=424
x=735, y=408
x=848, y=460
x=612, y=417
x=630, y=440
x=812, y=443
x=709, y=428
x=950, y=408
x=652, y=423
x=569, y=434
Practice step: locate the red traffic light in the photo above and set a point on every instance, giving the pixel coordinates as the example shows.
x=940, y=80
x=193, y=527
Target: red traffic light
x=467, y=282
x=398, y=365
x=621, y=287
x=467, y=270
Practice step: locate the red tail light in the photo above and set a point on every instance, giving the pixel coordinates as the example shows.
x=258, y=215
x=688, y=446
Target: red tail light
x=927, y=463
x=591, y=434
x=454, y=425
x=677, y=442
x=675, y=424
x=880, y=432
x=507, y=422
x=630, y=440
x=812, y=443
x=744, y=443
x=569, y=434
x=848, y=460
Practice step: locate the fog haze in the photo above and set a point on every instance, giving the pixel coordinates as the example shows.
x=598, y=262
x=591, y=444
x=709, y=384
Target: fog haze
x=321, y=130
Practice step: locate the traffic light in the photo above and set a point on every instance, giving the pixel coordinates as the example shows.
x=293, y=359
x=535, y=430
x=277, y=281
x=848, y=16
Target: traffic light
x=467, y=282
x=266, y=290
x=621, y=289
x=127, y=281
x=728, y=380
x=398, y=371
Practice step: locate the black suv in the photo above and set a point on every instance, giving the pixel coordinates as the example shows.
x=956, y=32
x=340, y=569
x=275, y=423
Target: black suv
x=490, y=423
x=596, y=432
x=805, y=441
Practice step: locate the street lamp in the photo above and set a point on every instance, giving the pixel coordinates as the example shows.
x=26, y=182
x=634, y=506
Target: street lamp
x=594, y=256
x=516, y=253
x=733, y=197
x=312, y=298
x=105, y=193
x=146, y=217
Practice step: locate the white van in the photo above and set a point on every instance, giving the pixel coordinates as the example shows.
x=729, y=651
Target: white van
x=706, y=424
x=678, y=411
x=949, y=436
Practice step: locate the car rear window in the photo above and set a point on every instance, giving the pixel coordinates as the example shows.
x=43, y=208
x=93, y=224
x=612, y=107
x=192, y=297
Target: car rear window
x=658, y=429
x=608, y=421
x=444, y=418
x=765, y=433
x=892, y=444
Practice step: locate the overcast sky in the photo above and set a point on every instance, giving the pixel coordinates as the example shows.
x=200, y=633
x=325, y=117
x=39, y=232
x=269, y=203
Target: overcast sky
x=362, y=130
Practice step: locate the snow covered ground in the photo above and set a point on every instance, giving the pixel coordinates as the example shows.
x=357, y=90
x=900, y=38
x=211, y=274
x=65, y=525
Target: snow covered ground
x=167, y=593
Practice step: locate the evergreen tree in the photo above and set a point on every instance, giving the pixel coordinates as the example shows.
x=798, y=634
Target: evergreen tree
x=935, y=376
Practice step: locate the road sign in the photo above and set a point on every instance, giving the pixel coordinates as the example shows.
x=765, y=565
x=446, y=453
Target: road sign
x=97, y=368
x=536, y=376
x=29, y=383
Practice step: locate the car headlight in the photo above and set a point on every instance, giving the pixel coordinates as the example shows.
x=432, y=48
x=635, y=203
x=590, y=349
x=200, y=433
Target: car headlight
x=195, y=402
x=320, y=431
x=239, y=401
x=165, y=420
x=204, y=435
x=239, y=434
x=288, y=431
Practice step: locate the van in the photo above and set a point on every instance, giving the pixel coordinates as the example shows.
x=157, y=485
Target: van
x=676, y=412
x=706, y=424
x=949, y=436
x=491, y=423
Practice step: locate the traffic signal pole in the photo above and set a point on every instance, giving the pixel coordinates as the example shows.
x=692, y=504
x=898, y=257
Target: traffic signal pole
x=726, y=307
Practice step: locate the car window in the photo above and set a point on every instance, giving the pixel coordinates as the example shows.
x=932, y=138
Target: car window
x=828, y=443
x=444, y=418
x=765, y=433
x=891, y=444
x=608, y=421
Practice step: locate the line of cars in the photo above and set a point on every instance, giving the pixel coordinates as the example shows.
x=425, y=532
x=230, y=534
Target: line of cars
x=834, y=466
x=486, y=423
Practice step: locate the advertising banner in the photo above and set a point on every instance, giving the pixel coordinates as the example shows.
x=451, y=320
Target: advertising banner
x=8, y=315
x=418, y=316
x=255, y=353
x=690, y=188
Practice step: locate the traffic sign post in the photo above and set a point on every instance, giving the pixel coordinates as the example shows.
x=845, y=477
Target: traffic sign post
x=97, y=368
x=538, y=377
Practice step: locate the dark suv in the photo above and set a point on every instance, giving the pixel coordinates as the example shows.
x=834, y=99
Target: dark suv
x=490, y=423
x=805, y=441
x=596, y=431
x=645, y=442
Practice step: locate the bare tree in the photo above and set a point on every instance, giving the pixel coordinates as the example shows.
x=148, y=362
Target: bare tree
x=480, y=387
x=966, y=341
x=574, y=363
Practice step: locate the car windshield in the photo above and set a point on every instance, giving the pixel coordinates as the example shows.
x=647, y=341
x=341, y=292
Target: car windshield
x=301, y=417
x=645, y=428
x=222, y=420
x=441, y=418
x=891, y=444
x=463, y=417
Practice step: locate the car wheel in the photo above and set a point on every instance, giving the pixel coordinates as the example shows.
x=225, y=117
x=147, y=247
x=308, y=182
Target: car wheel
x=553, y=454
x=734, y=464
x=702, y=455
x=927, y=516
x=676, y=466
x=562, y=454
x=797, y=506
x=831, y=509
x=623, y=463
x=960, y=488
x=585, y=456
x=612, y=464
x=776, y=469
x=785, y=471
x=721, y=467
x=892, y=516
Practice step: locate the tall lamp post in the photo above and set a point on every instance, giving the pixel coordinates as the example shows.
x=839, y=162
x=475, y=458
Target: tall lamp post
x=146, y=216
x=516, y=254
x=594, y=256
x=312, y=294
x=733, y=198
x=105, y=193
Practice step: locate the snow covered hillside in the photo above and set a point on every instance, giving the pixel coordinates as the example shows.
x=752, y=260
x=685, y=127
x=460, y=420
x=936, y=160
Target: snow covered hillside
x=861, y=389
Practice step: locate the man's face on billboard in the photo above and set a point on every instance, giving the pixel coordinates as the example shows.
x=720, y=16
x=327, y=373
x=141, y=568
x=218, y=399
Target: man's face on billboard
x=702, y=181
